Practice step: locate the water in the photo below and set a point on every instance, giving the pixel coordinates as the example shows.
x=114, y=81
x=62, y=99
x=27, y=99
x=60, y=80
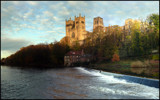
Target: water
x=70, y=83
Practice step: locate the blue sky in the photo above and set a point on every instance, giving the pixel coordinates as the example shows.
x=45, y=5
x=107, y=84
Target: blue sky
x=32, y=22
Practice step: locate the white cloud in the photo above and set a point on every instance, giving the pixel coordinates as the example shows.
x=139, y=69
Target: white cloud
x=5, y=53
x=55, y=5
x=16, y=2
x=77, y=3
x=33, y=3
x=48, y=14
x=13, y=44
x=17, y=29
x=56, y=18
x=64, y=12
x=50, y=31
x=28, y=14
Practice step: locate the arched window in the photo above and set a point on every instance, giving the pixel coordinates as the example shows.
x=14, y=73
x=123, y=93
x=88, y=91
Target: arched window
x=73, y=35
x=82, y=22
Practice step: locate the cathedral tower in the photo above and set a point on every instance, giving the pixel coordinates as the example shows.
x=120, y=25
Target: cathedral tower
x=69, y=25
x=98, y=23
x=75, y=29
x=80, y=27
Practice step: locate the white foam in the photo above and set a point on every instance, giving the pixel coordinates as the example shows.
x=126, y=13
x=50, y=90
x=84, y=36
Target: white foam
x=149, y=93
x=122, y=87
x=107, y=78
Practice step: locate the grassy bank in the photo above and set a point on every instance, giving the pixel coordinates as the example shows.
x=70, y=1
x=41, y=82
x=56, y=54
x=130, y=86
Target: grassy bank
x=141, y=68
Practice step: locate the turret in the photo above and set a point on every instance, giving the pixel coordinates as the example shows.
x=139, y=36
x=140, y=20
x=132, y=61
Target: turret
x=69, y=25
x=98, y=23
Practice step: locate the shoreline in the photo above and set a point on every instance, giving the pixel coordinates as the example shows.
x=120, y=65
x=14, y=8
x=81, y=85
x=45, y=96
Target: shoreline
x=142, y=75
x=126, y=74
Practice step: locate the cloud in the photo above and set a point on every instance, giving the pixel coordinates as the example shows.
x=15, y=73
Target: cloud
x=28, y=14
x=48, y=13
x=56, y=5
x=78, y=3
x=13, y=44
x=64, y=12
x=5, y=54
x=33, y=3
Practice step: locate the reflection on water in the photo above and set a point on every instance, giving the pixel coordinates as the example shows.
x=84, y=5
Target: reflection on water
x=69, y=83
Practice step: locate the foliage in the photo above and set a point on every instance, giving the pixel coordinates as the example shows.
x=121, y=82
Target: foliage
x=136, y=44
x=146, y=63
x=154, y=18
x=41, y=54
x=155, y=57
x=76, y=46
x=115, y=58
x=137, y=64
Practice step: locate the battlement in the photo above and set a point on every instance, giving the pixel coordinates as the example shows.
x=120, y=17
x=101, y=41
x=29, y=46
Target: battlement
x=80, y=17
x=70, y=20
x=76, y=18
x=98, y=17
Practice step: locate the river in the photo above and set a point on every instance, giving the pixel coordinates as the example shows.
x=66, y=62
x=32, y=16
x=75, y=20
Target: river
x=70, y=83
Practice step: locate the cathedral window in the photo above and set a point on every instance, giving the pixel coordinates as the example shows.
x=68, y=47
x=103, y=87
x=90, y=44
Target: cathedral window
x=82, y=22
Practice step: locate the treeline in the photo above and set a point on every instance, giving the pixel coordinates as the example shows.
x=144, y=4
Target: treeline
x=41, y=55
x=141, y=38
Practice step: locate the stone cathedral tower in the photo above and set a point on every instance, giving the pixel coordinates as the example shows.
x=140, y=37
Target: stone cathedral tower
x=98, y=24
x=75, y=29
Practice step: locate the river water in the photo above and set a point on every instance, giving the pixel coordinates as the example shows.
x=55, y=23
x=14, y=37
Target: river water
x=69, y=83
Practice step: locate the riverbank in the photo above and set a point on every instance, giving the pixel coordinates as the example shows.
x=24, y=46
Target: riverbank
x=129, y=67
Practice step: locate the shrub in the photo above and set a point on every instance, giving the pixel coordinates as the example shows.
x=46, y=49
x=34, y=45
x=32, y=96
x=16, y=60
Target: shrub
x=115, y=58
x=147, y=63
x=156, y=75
x=155, y=57
x=137, y=64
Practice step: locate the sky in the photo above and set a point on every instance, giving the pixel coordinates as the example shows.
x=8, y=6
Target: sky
x=25, y=23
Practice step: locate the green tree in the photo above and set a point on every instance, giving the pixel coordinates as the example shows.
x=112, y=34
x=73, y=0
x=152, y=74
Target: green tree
x=154, y=18
x=136, y=44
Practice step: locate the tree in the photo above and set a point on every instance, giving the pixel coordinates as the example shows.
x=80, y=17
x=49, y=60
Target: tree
x=154, y=18
x=115, y=58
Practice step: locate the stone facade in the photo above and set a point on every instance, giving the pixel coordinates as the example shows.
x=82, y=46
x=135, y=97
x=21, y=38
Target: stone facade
x=73, y=57
x=98, y=24
x=76, y=29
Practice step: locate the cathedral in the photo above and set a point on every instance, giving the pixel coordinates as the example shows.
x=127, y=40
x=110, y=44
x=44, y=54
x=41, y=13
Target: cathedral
x=76, y=30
